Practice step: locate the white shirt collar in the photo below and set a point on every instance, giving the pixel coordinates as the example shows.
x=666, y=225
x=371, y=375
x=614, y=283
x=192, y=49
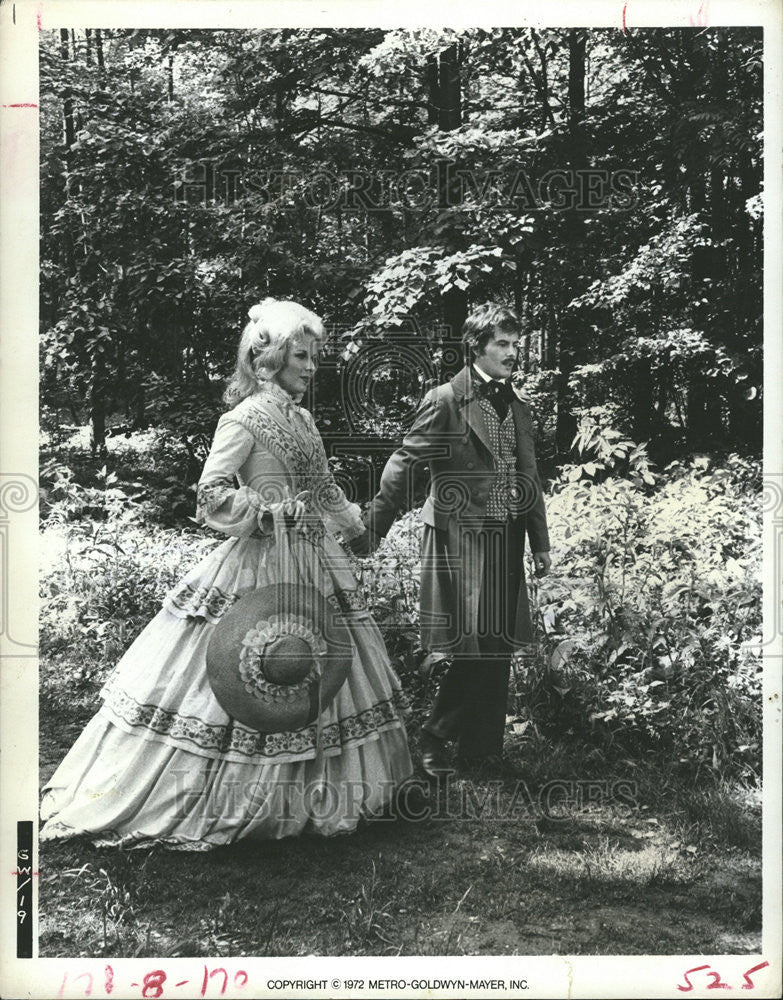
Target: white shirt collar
x=483, y=374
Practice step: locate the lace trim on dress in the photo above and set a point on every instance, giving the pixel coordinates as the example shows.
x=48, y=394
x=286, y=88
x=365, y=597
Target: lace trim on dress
x=236, y=739
x=213, y=603
x=213, y=495
x=269, y=388
x=289, y=433
x=271, y=426
x=112, y=838
x=208, y=602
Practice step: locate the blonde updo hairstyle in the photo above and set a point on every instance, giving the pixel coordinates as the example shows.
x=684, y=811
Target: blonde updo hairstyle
x=264, y=344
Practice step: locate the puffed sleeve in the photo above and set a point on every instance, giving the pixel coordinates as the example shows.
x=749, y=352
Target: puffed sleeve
x=219, y=503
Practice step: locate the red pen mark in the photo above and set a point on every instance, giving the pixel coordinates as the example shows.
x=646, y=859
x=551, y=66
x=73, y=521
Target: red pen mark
x=183, y=983
x=20, y=106
x=207, y=978
x=38, y=16
x=701, y=16
x=244, y=981
x=689, y=987
x=717, y=983
x=109, y=973
x=86, y=975
x=625, y=8
x=749, y=984
x=154, y=981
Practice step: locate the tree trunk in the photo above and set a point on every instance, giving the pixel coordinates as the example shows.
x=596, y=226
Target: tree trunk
x=69, y=132
x=433, y=90
x=69, y=137
x=569, y=334
x=99, y=51
x=547, y=118
x=140, y=408
x=453, y=301
x=577, y=44
x=98, y=407
x=450, y=108
x=643, y=400
x=698, y=431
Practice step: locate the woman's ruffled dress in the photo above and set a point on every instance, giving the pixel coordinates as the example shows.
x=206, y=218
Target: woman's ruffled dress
x=161, y=762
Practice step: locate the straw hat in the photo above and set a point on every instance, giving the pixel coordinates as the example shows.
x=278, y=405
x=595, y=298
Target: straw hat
x=278, y=657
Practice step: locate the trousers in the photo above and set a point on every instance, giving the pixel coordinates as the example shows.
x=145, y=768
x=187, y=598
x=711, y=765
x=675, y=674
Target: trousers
x=470, y=704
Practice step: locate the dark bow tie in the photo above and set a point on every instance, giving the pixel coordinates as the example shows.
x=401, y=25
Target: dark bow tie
x=495, y=389
x=500, y=394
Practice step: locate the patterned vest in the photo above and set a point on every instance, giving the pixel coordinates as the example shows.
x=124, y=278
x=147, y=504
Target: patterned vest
x=502, y=437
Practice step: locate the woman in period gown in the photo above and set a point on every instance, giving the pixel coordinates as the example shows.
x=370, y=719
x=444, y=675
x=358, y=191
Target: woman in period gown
x=162, y=763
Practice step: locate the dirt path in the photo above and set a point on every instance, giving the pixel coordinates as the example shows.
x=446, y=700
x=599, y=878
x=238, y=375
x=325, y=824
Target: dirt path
x=469, y=879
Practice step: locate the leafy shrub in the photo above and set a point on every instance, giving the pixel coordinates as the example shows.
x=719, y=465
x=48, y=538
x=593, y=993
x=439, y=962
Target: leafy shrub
x=105, y=573
x=651, y=619
x=607, y=452
x=649, y=624
x=150, y=469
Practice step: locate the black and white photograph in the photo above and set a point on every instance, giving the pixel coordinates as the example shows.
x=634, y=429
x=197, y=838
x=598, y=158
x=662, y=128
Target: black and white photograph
x=392, y=501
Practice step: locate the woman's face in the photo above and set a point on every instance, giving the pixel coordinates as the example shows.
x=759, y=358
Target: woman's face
x=301, y=363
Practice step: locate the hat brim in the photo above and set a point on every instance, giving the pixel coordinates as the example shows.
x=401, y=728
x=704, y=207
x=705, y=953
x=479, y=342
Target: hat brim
x=285, y=709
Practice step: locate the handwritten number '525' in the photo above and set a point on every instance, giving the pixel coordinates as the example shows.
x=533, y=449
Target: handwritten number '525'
x=717, y=983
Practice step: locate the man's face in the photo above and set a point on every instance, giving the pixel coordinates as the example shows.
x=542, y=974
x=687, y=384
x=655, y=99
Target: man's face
x=500, y=354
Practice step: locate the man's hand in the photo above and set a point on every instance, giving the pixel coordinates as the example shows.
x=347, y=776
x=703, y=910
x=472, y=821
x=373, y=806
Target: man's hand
x=364, y=544
x=542, y=562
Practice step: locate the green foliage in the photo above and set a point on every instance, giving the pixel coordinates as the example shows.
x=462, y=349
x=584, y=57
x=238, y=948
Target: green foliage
x=651, y=619
x=166, y=213
x=606, y=452
x=105, y=573
x=649, y=625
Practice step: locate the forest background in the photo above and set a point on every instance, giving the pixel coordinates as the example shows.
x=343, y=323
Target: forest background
x=605, y=184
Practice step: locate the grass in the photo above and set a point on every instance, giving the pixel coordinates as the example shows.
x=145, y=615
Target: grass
x=606, y=853
x=675, y=870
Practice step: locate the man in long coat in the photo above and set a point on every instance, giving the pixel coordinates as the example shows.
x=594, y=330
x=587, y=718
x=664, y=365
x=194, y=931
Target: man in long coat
x=476, y=437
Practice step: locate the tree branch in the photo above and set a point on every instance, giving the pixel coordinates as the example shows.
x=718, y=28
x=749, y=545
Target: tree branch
x=310, y=121
x=655, y=80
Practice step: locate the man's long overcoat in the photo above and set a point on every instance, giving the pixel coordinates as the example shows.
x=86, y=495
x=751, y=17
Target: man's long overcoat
x=449, y=435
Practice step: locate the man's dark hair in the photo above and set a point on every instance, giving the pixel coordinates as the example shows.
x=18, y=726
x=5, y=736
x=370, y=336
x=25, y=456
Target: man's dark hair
x=482, y=323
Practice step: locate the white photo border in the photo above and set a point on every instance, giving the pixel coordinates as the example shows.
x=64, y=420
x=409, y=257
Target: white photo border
x=547, y=976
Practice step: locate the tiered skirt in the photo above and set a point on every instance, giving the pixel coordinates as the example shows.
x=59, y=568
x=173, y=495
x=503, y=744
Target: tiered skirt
x=161, y=763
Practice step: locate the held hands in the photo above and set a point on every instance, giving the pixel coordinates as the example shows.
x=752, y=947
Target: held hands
x=542, y=562
x=364, y=544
